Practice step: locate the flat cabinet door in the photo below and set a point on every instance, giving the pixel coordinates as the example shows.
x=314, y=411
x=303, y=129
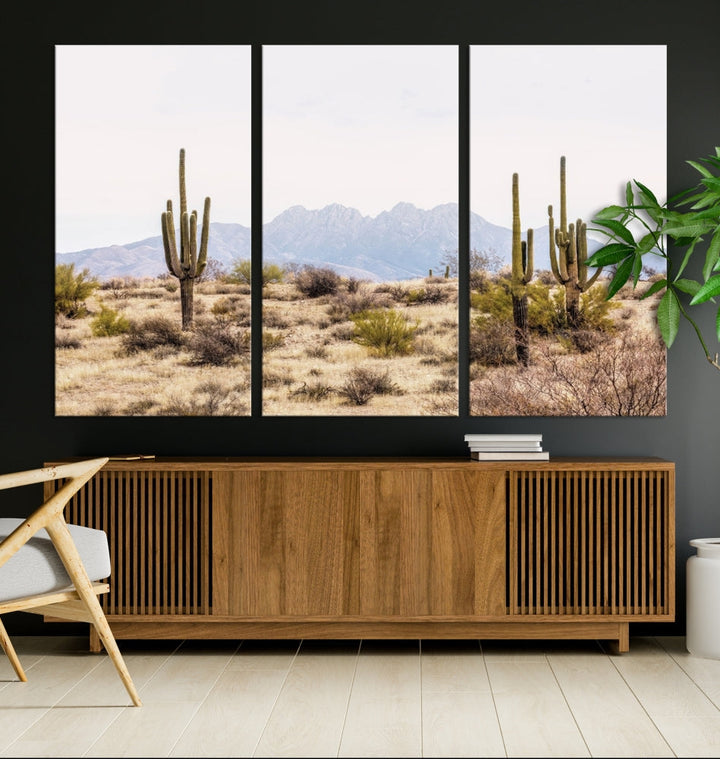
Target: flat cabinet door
x=432, y=543
x=374, y=543
x=284, y=543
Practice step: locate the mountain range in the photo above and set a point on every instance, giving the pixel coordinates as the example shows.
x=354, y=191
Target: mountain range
x=402, y=243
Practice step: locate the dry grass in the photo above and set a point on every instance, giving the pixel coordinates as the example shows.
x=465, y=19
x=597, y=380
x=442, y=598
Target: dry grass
x=314, y=371
x=102, y=378
x=309, y=360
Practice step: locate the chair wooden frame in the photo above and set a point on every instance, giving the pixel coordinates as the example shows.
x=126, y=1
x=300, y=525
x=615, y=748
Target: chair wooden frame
x=79, y=603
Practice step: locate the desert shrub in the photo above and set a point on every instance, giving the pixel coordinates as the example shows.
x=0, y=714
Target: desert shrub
x=352, y=285
x=275, y=318
x=313, y=391
x=395, y=290
x=66, y=341
x=72, y=290
x=214, y=271
x=109, y=323
x=313, y=281
x=344, y=305
x=273, y=379
x=216, y=343
x=170, y=286
x=495, y=301
x=226, y=306
x=139, y=408
x=545, y=277
x=478, y=280
x=316, y=351
x=209, y=398
x=232, y=308
x=492, y=342
x=362, y=384
x=443, y=385
x=385, y=333
x=241, y=272
x=430, y=294
x=595, y=310
x=582, y=340
x=343, y=332
x=153, y=332
x=272, y=340
x=104, y=408
x=623, y=376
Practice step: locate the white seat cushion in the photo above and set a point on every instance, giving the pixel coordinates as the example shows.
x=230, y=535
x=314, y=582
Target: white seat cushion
x=36, y=568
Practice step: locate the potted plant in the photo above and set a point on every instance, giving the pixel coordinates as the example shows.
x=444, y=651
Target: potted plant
x=687, y=229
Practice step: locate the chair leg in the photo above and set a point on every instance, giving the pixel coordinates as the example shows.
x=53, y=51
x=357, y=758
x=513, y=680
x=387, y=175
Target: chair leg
x=65, y=546
x=9, y=650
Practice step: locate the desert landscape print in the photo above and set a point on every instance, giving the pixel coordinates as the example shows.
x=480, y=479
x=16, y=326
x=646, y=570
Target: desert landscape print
x=360, y=271
x=559, y=144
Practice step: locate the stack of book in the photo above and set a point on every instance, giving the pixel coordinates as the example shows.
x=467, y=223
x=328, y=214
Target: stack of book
x=506, y=447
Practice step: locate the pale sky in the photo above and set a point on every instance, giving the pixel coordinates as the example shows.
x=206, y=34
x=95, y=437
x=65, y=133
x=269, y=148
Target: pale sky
x=364, y=126
x=603, y=107
x=122, y=114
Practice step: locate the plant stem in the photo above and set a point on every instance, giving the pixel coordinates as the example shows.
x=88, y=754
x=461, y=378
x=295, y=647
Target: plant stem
x=714, y=361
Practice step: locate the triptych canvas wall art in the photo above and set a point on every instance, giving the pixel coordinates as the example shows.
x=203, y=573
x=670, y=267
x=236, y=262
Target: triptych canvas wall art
x=359, y=246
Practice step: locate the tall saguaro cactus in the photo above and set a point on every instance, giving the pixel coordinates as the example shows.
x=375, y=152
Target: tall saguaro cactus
x=568, y=265
x=190, y=264
x=522, y=273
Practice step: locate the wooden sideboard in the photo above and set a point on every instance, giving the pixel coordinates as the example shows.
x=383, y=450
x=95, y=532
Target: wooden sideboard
x=384, y=547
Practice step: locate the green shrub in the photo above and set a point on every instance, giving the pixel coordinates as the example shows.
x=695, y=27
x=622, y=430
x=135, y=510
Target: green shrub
x=595, y=310
x=109, y=323
x=313, y=282
x=385, y=333
x=72, y=289
x=241, y=272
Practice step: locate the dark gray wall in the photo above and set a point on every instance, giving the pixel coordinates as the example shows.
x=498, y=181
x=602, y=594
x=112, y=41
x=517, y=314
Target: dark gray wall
x=29, y=433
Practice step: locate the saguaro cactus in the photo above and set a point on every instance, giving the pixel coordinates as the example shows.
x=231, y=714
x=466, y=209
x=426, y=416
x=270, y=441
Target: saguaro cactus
x=190, y=264
x=568, y=265
x=522, y=273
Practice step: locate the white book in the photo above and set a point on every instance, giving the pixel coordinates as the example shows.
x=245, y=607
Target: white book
x=481, y=438
x=510, y=456
x=505, y=447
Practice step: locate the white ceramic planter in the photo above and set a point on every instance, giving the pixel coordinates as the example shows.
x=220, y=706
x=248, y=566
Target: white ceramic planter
x=703, y=599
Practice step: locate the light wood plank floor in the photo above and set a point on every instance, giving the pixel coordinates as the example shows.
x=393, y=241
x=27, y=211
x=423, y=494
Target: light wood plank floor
x=362, y=698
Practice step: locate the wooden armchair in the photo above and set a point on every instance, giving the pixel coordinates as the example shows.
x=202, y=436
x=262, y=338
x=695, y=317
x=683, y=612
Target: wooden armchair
x=50, y=567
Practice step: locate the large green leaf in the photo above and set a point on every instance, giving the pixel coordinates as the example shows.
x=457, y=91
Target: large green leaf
x=704, y=171
x=668, y=317
x=619, y=230
x=712, y=258
x=610, y=254
x=709, y=290
x=610, y=212
x=654, y=287
x=687, y=230
x=629, y=200
x=689, y=286
x=622, y=274
x=648, y=193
